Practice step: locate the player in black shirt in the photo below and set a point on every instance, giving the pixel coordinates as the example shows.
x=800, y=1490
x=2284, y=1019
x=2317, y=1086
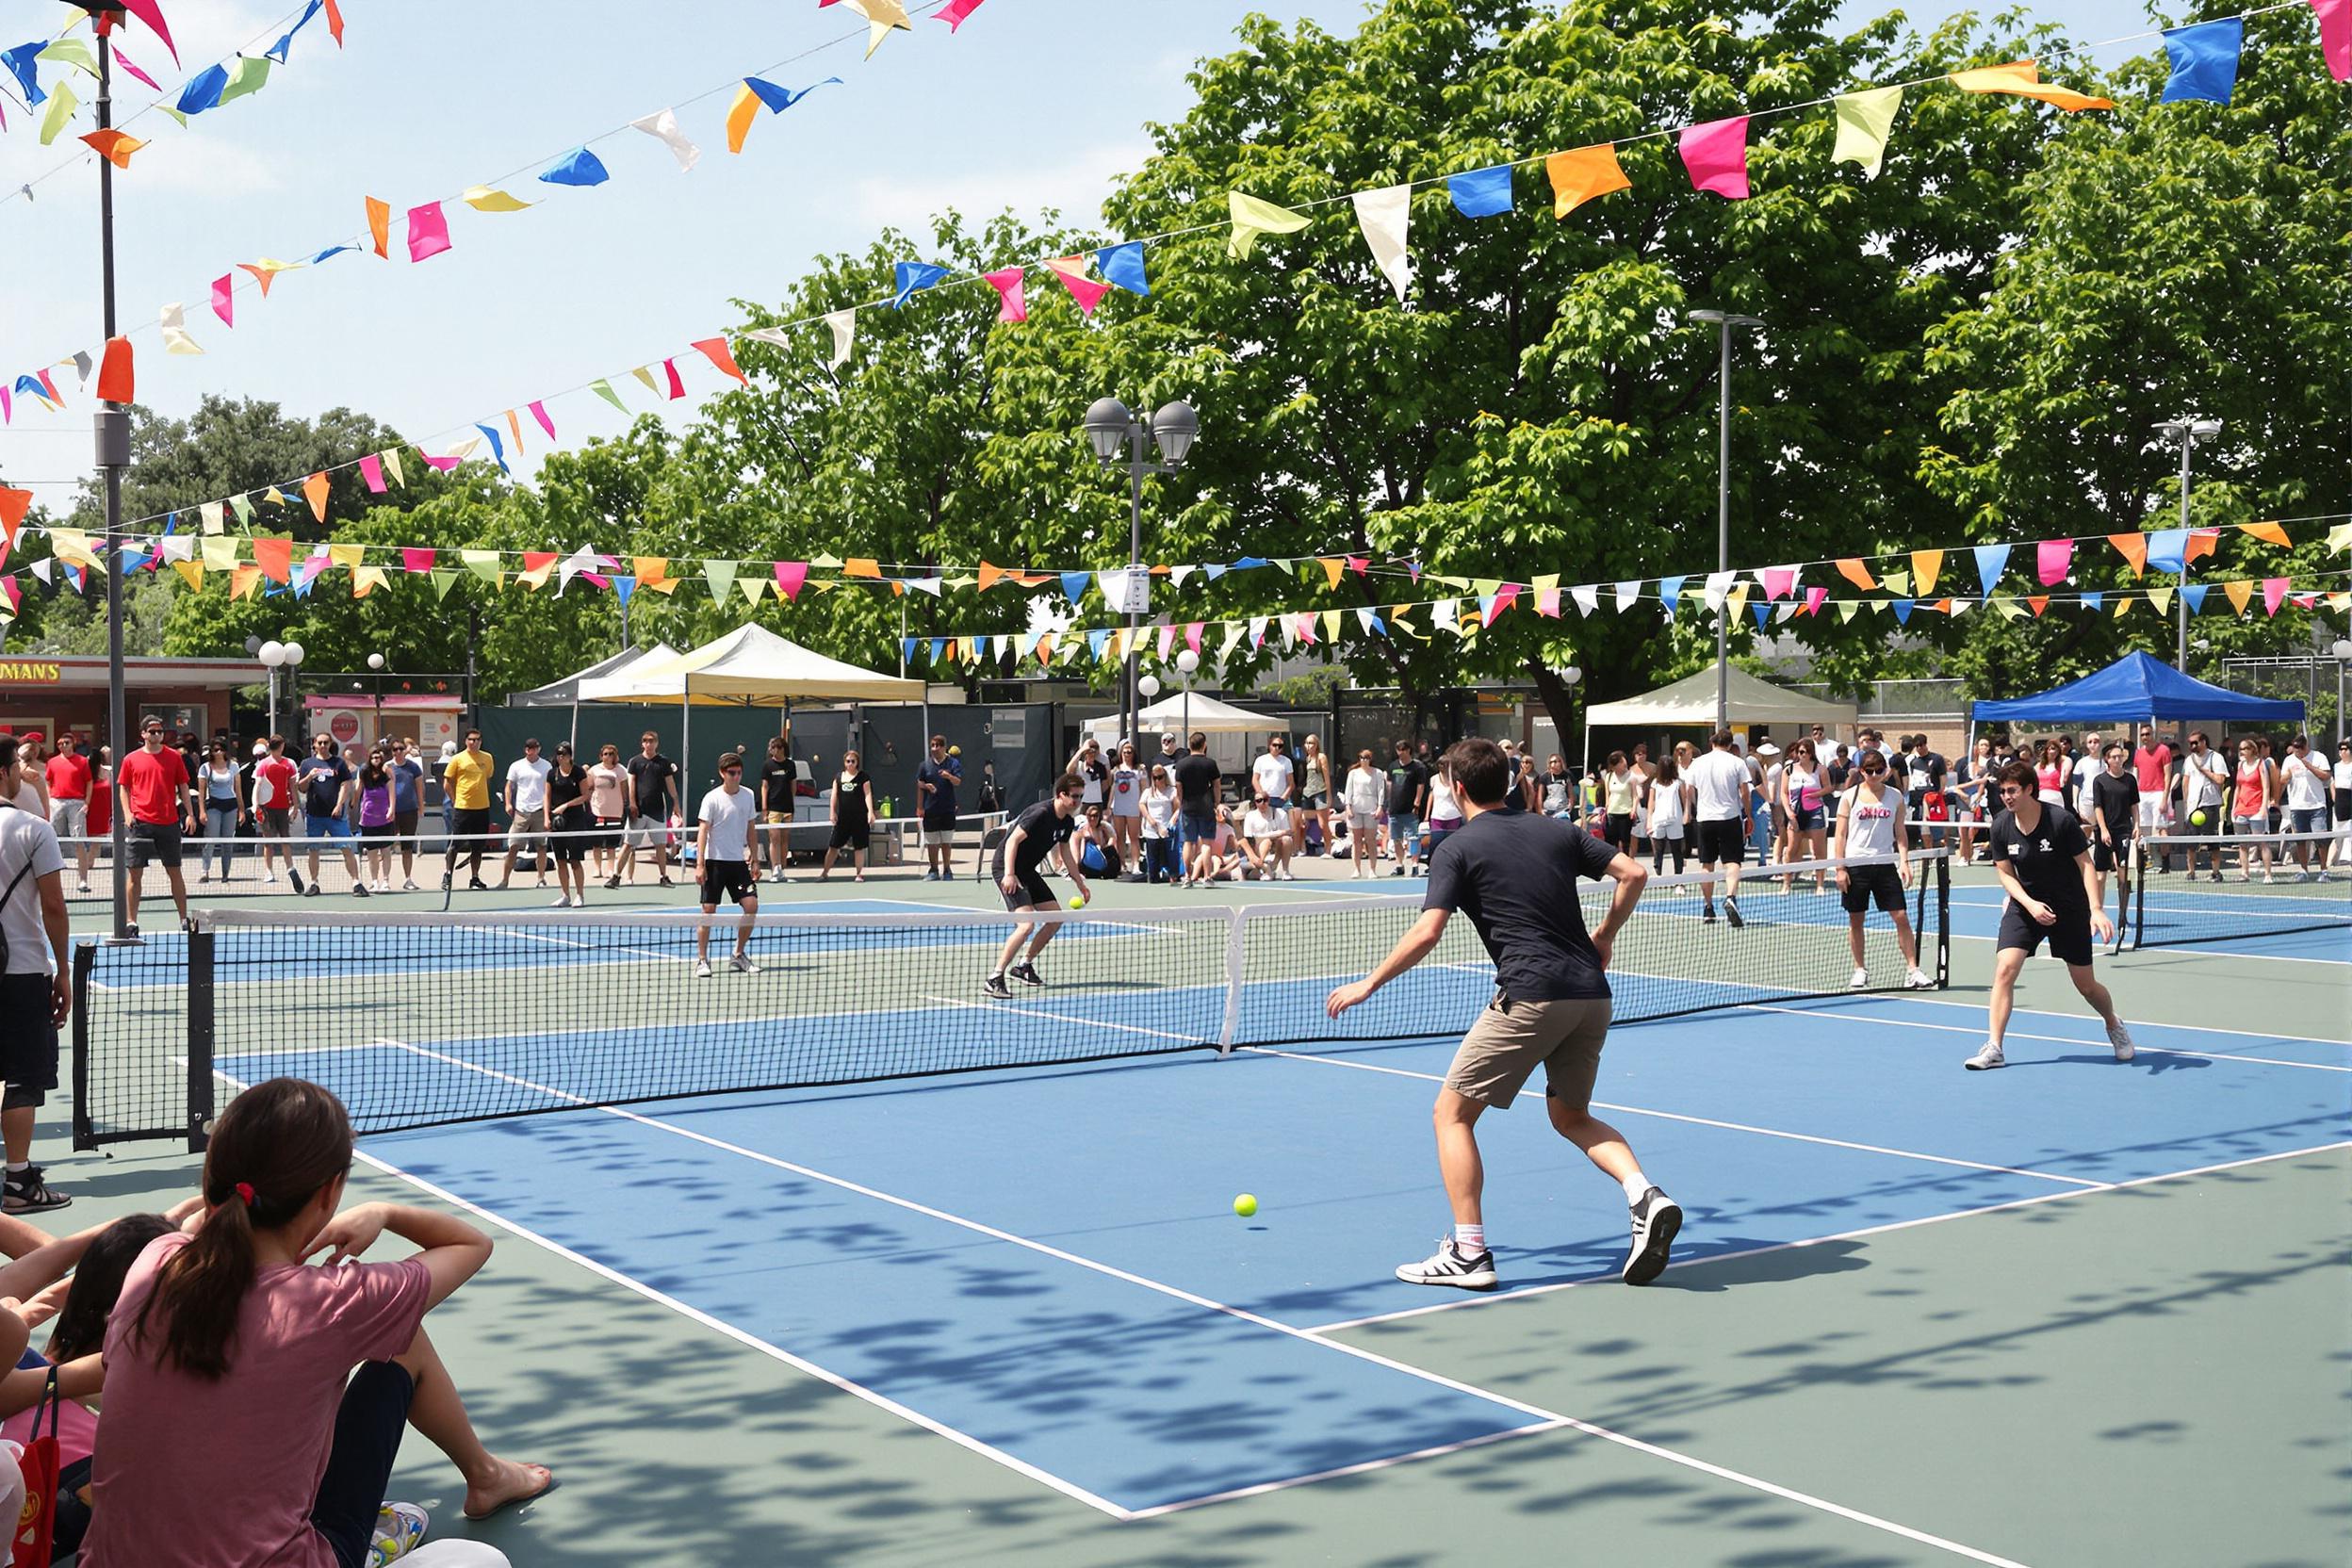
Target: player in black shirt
x=1515, y=875
x=2044, y=861
x=1198, y=786
x=779, y=783
x=1046, y=825
x=654, y=779
x=2115, y=817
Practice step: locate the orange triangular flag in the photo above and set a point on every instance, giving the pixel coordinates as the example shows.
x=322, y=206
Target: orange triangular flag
x=2202, y=543
x=1943, y=607
x=514, y=428
x=115, y=379
x=1927, y=563
x=380, y=226
x=650, y=569
x=242, y=580
x=315, y=490
x=861, y=566
x=261, y=275
x=990, y=576
x=275, y=557
x=2239, y=592
x=716, y=351
x=2022, y=79
x=14, y=505
x=1854, y=571
x=2272, y=533
x=1332, y=565
x=114, y=146
x=1581, y=175
x=2039, y=602
x=2133, y=547
x=739, y=117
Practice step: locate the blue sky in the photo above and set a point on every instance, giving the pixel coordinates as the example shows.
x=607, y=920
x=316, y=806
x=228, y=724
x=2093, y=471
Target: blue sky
x=1034, y=104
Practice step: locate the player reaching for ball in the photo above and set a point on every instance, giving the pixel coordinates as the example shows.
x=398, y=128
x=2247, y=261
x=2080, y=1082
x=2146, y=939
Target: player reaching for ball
x=1048, y=825
x=1515, y=875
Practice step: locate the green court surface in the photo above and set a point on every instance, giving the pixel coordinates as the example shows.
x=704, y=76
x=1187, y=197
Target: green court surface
x=2117, y=1366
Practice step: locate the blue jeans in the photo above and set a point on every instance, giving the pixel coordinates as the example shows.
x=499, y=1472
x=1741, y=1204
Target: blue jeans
x=220, y=823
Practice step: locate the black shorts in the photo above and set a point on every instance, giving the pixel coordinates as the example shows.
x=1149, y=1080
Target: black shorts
x=1618, y=828
x=726, y=879
x=848, y=834
x=1867, y=884
x=376, y=830
x=1723, y=844
x=154, y=843
x=276, y=821
x=466, y=824
x=2069, y=938
x=939, y=822
x=569, y=846
x=404, y=823
x=1034, y=892
x=2108, y=856
x=2343, y=804
x=29, y=1040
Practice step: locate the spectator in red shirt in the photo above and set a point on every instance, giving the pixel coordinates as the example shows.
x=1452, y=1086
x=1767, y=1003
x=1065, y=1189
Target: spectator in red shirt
x=154, y=789
x=273, y=806
x=68, y=804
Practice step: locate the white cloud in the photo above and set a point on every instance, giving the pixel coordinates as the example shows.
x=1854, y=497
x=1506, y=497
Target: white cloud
x=1075, y=187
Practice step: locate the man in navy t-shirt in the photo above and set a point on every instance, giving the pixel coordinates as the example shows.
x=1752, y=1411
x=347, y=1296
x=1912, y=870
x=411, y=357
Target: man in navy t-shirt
x=1515, y=875
x=935, y=780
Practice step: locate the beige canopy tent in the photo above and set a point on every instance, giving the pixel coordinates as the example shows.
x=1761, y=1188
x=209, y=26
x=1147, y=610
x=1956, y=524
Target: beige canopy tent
x=1186, y=713
x=1690, y=701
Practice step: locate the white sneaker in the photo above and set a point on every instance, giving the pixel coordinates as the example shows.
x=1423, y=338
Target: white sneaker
x=1449, y=1267
x=2121, y=1038
x=580, y=900
x=702, y=969
x=1918, y=980
x=408, y=884
x=742, y=964
x=1861, y=980
x=400, y=1529
x=1985, y=1059
x=563, y=901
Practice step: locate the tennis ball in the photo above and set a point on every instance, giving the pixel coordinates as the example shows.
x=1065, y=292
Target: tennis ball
x=1077, y=901
x=1246, y=1205
x=954, y=751
x=2197, y=819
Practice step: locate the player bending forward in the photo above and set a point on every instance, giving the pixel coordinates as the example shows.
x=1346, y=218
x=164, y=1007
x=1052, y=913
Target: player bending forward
x=1515, y=875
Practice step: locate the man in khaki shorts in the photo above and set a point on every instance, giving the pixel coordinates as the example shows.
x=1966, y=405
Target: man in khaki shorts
x=1515, y=873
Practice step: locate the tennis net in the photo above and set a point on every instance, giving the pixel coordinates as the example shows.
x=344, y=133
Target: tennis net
x=421, y=1018
x=2238, y=887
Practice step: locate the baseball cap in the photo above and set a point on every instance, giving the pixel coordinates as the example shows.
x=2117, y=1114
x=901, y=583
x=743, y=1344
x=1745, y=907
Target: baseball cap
x=1767, y=749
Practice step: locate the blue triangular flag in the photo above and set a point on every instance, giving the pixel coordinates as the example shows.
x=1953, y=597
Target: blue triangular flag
x=203, y=91
x=1247, y=562
x=2204, y=61
x=2193, y=595
x=778, y=99
x=1212, y=571
x=624, y=586
x=1762, y=613
x=938, y=649
x=31, y=384
x=20, y=61
x=907, y=647
x=1123, y=265
x=1670, y=590
x=331, y=251
x=2167, y=550
x=1991, y=561
x=278, y=50
x=913, y=277
x=74, y=575
x=1074, y=584
x=1378, y=626
x=1482, y=192
x=1098, y=641
x=2094, y=601
x=577, y=167
x=497, y=448
x=1903, y=611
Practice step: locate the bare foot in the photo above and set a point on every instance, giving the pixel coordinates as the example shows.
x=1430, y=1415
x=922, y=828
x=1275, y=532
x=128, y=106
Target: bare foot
x=510, y=1484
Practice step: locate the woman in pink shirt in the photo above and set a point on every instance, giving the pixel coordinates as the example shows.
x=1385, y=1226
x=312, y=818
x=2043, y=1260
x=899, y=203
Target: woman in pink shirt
x=236, y=1433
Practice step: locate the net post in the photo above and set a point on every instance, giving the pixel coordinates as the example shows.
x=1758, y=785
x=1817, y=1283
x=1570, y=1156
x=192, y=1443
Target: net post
x=1236, y=967
x=1943, y=923
x=2139, y=889
x=85, y=958
x=199, y=1038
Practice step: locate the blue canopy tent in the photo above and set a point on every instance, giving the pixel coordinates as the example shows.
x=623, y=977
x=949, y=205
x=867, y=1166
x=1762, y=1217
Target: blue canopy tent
x=2138, y=687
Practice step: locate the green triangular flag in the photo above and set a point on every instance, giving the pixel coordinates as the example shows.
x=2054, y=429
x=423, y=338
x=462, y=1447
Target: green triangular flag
x=61, y=107
x=604, y=388
x=1254, y=216
x=1846, y=609
x=442, y=578
x=173, y=113
x=252, y=73
x=71, y=51
x=483, y=564
x=718, y=574
x=243, y=507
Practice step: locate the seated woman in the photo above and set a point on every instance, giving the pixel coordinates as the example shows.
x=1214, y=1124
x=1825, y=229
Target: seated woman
x=230, y=1333
x=1265, y=836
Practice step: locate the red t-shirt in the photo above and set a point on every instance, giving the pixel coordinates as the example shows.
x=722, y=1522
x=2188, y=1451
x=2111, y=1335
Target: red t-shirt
x=68, y=776
x=223, y=1473
x=154, y=783
x=2149, y=766
x=277, y=777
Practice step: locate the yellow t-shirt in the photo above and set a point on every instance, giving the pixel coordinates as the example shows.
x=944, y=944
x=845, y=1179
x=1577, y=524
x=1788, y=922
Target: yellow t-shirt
x=467, y=776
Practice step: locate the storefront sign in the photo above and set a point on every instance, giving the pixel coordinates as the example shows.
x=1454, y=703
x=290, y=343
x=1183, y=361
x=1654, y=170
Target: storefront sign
x=32, y=672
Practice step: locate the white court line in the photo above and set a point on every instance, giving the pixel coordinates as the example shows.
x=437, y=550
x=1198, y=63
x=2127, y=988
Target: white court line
x=1544, y=1419
x=559, y=941
x=1064, y=1017
x=1705, y=1122
x=1261, y=1488
x=2146, y=1023
x=2056, y=1039
x=1459, y=1303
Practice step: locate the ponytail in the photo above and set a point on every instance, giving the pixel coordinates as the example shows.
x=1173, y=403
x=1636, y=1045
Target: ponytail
x=271, y=1152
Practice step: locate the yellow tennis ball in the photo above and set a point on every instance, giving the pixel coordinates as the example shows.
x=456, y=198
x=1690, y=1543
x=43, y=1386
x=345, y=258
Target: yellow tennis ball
x=1246, y=1205
x=1077, y=901
x=954, y=751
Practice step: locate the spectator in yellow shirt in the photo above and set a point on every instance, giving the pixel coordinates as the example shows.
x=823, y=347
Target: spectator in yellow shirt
x=467, y=777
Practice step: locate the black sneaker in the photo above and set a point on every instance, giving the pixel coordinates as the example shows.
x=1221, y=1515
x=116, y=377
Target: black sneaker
x=24, y=1192
x=613, y=881
x=359, y=890
x=1731, y=913
x=311, y=891
x=1707, y=915
x=1655, y=1219
x=994, y=986
x=1450, y=1265
x=476, y=885
x=1027, y=974
x=294, y=880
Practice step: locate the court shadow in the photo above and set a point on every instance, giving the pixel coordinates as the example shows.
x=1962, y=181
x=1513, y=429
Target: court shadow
x=1783, y=1266
x=2149, y=1061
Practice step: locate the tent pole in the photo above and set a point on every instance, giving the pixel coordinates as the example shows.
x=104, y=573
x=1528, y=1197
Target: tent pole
x=685, y=739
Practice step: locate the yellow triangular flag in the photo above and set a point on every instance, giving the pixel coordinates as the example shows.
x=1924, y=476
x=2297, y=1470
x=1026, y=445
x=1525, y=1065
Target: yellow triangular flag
x=221, y=554
x=1254, y=216
x=193, y=571
x=347, y=556
x=366, y=580
x=1863, y=120
x=482, y=199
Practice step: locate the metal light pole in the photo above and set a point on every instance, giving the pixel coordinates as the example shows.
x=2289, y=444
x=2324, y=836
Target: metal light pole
x=1723, y=323
x=1109, y=428
x=2342, y=650
x=2188, y=431
x=1187, y=664
x=113, y=429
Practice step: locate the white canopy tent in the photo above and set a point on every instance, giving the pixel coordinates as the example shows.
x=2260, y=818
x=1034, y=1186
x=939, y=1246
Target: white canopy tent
x=565, y=693
x=1186, y=713
x=1691, y=702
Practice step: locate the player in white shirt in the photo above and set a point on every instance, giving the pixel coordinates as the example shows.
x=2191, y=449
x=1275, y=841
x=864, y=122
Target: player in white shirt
x=36, y=989
x=527, y=812
x=2306, y=785
x=722, y=859
x=1721, y=789
x=2342, y=775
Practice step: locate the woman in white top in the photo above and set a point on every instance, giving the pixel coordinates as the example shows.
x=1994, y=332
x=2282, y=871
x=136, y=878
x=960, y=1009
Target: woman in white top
x=1367, y=790
x=1265, y=837
x=1314, y=788
x=1670, y=809
x=217, y=784
x=1159, y=814
x=1804, y=800
x=1869, y=828
x=1126, y=813
x=1445, y=810
x=2342, y=777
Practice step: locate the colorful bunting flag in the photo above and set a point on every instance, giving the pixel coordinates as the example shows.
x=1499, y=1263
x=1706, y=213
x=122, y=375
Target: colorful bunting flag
x=1716, y=155
x=2335, y=35
x=1122, y=266
x=1864, y=119
x=2204, y=61
x=115, y=146
x=2274, y=589
x=267, y=270
x=844, y=324
x=913, y=277
x=173, y=320
x=2167, y=551
x=314, y=491
x=251, y=76
x=1991, y=561
x=2052, y=558
x=881, y=17
x=1582, y=175
x=712, y=348
x=428, y=232
x=1086, y=290
x=2133, y=548
x=1385, y=215
x=481, y=198
x=663, y=127
x=1253, y=216
x=1481, y=192
x=578, y=167
x=2023, y=79
x=1013, y=299
x=117, y=381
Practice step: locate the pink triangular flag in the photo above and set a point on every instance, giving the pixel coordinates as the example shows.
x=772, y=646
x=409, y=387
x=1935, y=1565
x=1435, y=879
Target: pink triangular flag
x=539, y=412
x=151, y=12
x=1192, y=635
x=224, y=299
x=428, y=231
x=2274, y=589
x=415, y=560
x=1072, y=272
x=1779, y=581
x=2051, y=559
x=790, y=575
x=952, y=13
x=678, y=388
x=125, y=61
x=372, y=469
x=1814, y=598
x=1547, y=603
x=1716, y=153
x=2335, y=35
x=1012, y=291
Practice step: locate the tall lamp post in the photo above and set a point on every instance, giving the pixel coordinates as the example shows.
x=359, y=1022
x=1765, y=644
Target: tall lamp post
x=279, y=656
x=1187, y=664
x=112, y=423
x=1723, y=321
x=1111, y=427
x=2189, y=431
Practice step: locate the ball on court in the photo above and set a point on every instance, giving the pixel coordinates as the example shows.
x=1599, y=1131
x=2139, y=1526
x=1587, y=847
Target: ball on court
x=1077, y=901
x=2197, y=819
x=954, y=751
x=1246, y=1205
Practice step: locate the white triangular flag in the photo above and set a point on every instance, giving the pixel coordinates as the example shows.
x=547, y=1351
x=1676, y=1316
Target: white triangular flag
x=176, y=339
x=580, y=560
x=1235, y=631
x=1587, y=599
x=1629, y=595
x=664, y=127
x=844, y=325
x=1176, y=574
x=41, y=569
x=213, y=520
x=178, y=546
x=1717, y=585
x=1384, y=214
x=931, y=585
